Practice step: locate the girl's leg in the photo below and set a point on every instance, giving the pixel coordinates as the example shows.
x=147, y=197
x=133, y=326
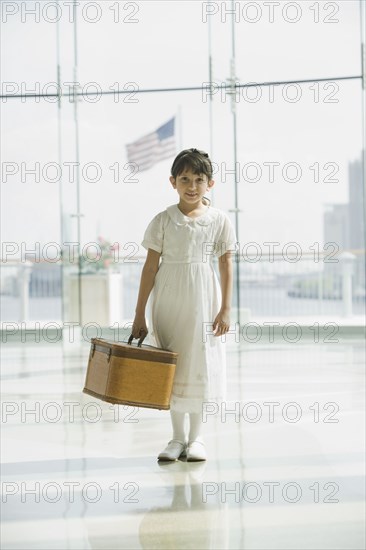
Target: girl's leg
x=196, y=447
x=177, y=419
x=175, y=448
x=195, y=425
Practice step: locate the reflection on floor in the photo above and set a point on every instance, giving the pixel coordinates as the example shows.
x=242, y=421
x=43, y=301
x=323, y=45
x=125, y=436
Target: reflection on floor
x=284, y=470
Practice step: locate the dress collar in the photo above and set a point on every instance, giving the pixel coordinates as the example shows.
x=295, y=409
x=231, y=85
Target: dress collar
x=181, y=219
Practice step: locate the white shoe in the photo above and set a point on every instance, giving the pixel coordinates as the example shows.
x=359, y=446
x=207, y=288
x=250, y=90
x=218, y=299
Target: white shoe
x=195, y=450
x=173, y=450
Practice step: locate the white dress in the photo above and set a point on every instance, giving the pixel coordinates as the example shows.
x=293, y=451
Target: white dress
x=185, y=299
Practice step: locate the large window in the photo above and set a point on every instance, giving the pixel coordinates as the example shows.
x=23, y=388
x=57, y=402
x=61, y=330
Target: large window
x=124, y=69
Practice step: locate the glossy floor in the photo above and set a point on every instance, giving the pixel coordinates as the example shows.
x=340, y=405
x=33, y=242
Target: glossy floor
x=285, y=456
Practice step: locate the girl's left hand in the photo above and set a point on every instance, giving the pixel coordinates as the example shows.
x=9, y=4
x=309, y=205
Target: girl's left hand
x=222, y=322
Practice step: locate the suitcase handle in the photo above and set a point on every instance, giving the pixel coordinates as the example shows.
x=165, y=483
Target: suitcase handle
x=139, y=342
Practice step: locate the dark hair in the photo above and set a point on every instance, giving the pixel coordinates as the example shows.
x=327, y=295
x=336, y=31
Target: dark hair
x=196, y=160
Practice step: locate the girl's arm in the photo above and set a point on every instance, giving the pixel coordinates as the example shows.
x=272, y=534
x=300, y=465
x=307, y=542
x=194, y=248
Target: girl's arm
x=226, y=278
x=148, y=274
x=222, y=320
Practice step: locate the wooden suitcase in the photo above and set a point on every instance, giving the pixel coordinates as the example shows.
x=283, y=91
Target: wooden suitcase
x=121, y=373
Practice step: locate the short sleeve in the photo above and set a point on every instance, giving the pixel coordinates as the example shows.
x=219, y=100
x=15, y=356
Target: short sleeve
x=226, y=240
x=154, y=234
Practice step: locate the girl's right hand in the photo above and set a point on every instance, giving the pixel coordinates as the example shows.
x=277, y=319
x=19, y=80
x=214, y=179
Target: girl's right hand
x=139, y=327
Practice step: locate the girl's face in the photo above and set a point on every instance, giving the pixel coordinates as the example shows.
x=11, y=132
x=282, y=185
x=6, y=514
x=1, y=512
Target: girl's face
x=191, y=187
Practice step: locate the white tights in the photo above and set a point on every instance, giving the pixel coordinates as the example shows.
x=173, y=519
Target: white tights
x=178, y=420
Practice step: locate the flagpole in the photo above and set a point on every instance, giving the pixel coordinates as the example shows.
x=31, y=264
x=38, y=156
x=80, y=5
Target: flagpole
x=179, y=118
x=211, y=100
x=236, y=210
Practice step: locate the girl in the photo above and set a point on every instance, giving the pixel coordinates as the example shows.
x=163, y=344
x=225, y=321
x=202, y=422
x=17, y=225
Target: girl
x=189, y=310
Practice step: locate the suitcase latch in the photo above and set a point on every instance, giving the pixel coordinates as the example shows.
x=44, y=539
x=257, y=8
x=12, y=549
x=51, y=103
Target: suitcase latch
x=93, y=349
x=109, y=354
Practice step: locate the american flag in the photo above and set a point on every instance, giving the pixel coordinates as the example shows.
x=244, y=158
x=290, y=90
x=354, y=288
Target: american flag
x=153, y=147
